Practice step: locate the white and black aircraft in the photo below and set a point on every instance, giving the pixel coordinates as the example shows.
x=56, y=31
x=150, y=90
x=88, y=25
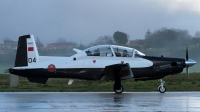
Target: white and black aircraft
x=101, y=63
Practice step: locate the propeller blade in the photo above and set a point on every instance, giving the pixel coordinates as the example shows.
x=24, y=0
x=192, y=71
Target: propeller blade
x=187, y=53
x=187, y=71
x=187, y=67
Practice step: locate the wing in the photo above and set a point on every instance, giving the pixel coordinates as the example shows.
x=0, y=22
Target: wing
x=108, y=72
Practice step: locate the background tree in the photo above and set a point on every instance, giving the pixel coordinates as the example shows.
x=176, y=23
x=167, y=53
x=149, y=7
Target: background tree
x=120, y=38
x=196, y=40
x=39, y=44
x=148, y=33
x=164, y=38
x=61, y=40
x=6, y=39
x=81, y=47
x=62, y=43
x=197, y=34
x=102, y=40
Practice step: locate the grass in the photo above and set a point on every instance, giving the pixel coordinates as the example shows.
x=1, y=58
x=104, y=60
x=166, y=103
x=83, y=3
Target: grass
x=177, y=82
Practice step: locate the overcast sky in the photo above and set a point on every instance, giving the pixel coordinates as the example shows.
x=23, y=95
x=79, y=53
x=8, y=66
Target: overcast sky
x=86, y=20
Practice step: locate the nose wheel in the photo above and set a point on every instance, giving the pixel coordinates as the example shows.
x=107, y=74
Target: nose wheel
x=162, y=88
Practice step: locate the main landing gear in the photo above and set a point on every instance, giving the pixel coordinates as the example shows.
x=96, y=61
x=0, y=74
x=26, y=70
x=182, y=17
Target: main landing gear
x=162, y=88
x=118, y=88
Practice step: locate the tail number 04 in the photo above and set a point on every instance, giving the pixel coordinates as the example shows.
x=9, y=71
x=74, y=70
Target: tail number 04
x=31, y=60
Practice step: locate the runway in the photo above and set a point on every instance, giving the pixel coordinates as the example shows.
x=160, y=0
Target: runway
x=98, y=101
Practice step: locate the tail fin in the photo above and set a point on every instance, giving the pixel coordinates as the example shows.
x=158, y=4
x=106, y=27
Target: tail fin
x=27, y=53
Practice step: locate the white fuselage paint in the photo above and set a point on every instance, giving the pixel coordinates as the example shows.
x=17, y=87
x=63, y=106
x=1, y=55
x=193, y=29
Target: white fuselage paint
x=106, y=57
x=83, y=61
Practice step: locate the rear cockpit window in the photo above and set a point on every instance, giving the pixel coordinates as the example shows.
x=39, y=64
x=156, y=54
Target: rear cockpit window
x=102, y=50
x=122, y=51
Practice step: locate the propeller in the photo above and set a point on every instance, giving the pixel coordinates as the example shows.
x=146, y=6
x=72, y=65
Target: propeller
x=188, y=62
x=187, y=71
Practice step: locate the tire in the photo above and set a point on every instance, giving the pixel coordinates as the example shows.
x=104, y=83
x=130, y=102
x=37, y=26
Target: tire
x=162, y=90
x=119, y=91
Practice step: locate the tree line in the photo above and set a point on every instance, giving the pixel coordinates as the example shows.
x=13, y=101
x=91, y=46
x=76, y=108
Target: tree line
x=168, y=42
x=158, y=39
x=164, y=41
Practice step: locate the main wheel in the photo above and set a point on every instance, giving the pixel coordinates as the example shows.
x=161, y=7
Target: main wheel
x=119, y=91
x=162, y=89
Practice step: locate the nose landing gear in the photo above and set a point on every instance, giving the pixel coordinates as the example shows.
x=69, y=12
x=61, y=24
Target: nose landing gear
x=162, y=88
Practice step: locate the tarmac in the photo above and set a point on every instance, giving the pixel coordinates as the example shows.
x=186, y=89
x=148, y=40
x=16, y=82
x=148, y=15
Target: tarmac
x=98, y=101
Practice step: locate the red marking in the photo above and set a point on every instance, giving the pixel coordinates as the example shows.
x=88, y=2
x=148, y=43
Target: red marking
x=122, y=62
x=51, y=68
x=30, y=48
x=94, y=61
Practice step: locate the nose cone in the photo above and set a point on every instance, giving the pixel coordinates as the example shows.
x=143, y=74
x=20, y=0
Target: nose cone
x=190, y=62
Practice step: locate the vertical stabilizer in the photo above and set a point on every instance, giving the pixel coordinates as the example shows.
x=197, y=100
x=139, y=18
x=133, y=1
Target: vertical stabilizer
x=27, y=52
x=32, y=51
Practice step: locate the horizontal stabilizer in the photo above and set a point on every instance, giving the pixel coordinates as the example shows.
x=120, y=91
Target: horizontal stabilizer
x=77, y=50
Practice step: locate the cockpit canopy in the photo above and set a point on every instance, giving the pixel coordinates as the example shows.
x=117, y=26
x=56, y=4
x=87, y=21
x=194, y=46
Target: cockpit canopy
x=112, y=51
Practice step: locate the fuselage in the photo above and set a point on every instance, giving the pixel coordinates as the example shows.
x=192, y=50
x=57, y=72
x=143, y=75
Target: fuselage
x=89, y=66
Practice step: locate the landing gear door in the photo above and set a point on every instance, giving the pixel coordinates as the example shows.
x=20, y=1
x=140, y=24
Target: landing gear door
x=126, y=72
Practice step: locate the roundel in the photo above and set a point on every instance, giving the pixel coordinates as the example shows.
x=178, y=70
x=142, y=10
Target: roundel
x=51, y=68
